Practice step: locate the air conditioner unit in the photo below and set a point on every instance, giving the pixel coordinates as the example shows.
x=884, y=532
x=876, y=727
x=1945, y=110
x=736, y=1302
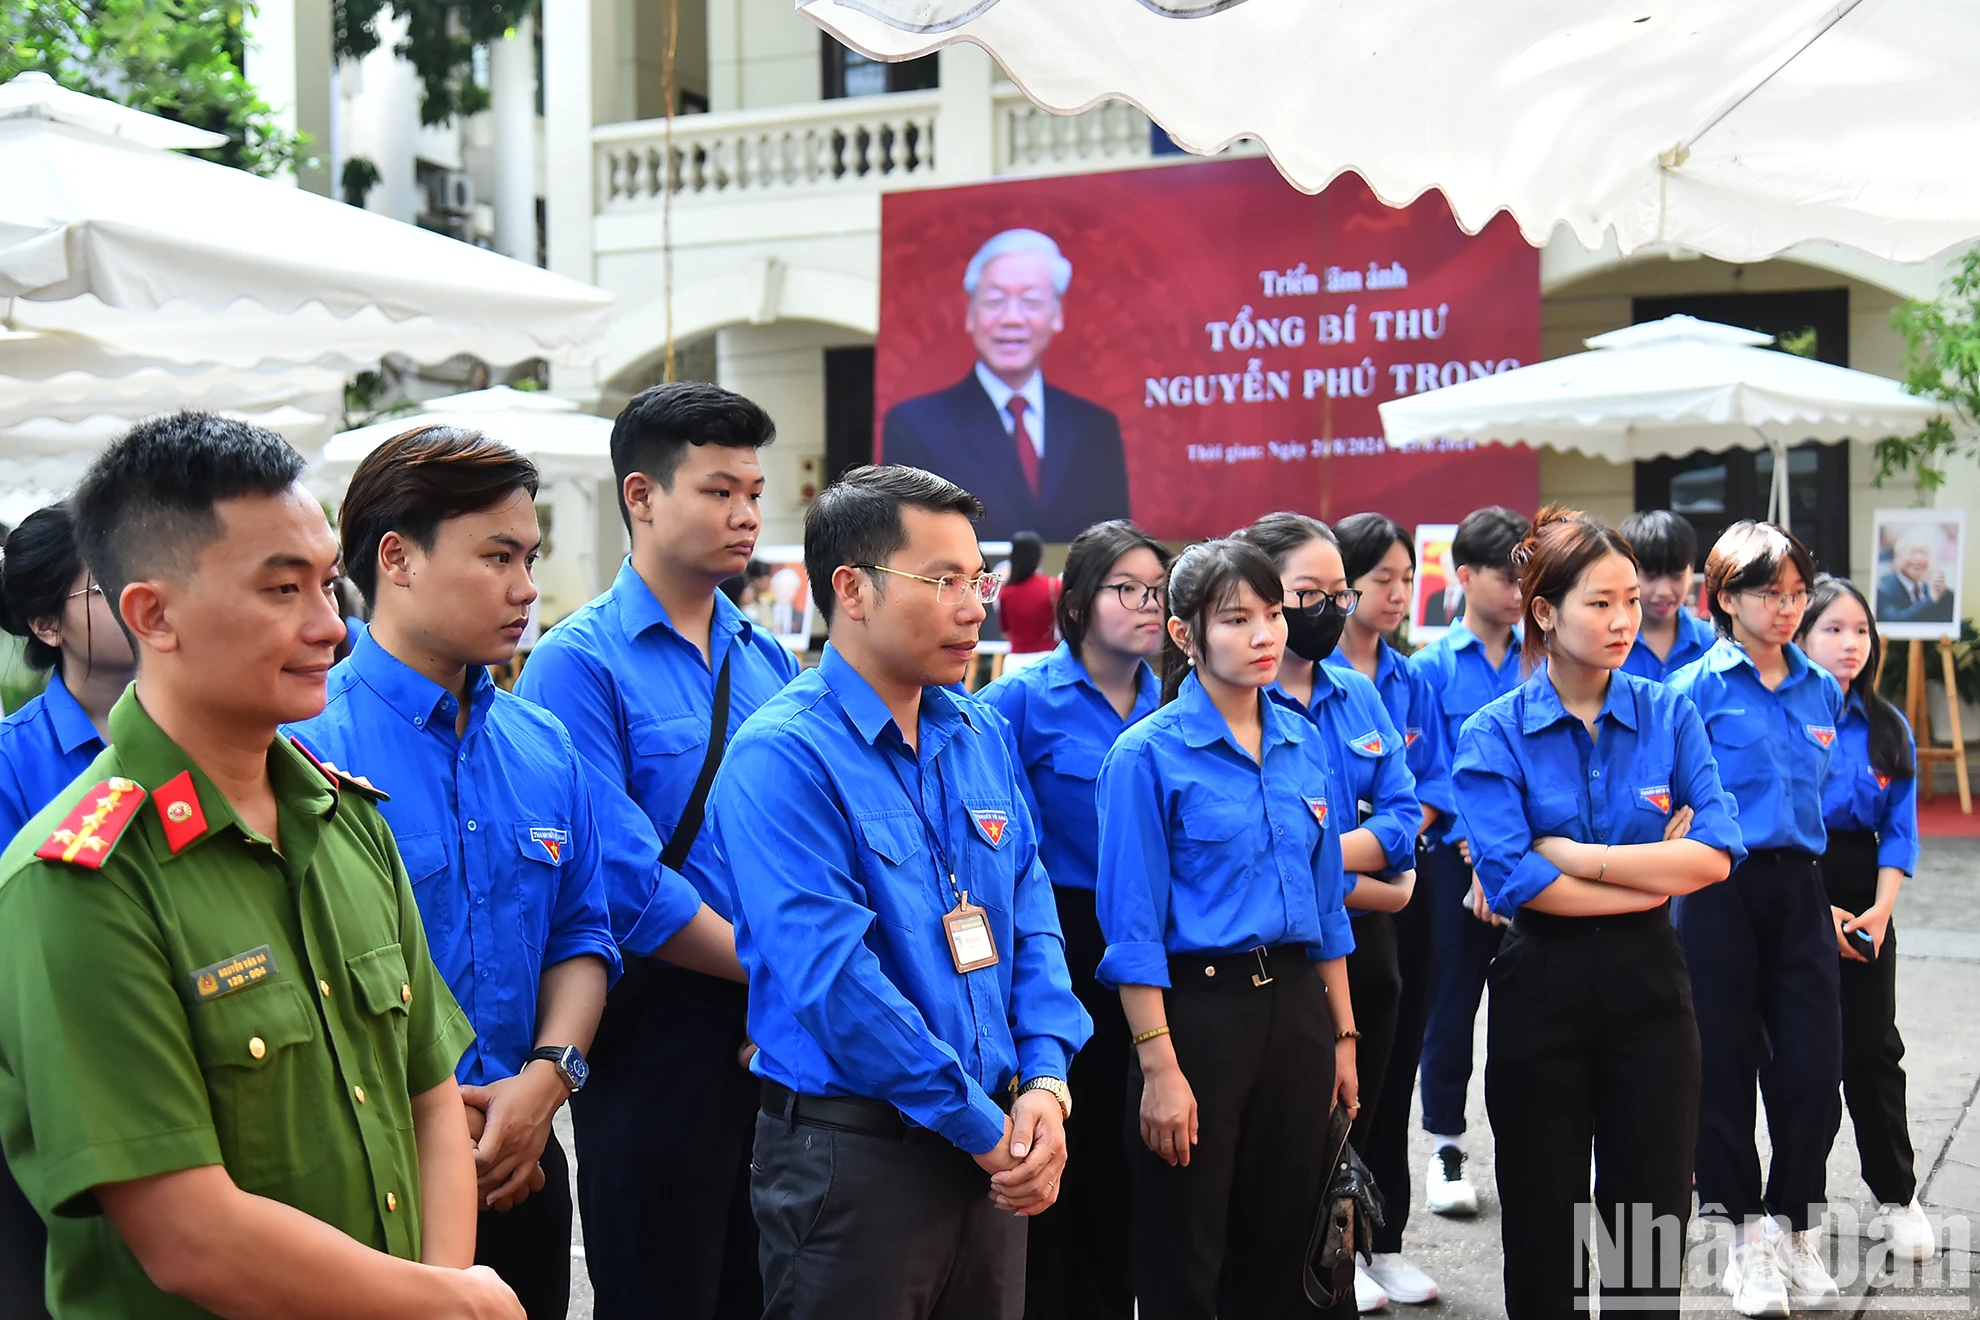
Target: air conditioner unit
x=454, y=193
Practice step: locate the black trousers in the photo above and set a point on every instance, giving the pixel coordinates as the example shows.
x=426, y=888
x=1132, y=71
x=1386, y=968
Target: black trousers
x=530, y=1245
x=1873, y=1051
x=879, y=1228
x=1078, y=1261
x=1226, y=1235
x=23, y=1254
x=1381, y=1134
x=663, y=1135
x=1462, y=949
x=1762, y=951
x=1591, y=1043
x=1375, y=987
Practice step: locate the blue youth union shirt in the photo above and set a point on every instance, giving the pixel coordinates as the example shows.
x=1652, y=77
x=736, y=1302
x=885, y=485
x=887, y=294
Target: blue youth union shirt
x=840, y=842
x=1062, y=728
x=1371, y=770
x=1694, y=638
x=1774, y=748
x=496, y=829
x=1857, y=797
x=44, y=746
x=1414, y=710
x=637, y=698
x=1465, y=681
x=1204, y=850
x=1527, y=769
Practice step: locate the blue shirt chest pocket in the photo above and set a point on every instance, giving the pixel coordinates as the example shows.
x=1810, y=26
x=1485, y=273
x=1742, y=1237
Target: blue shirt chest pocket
x=1072, y=760
x=442, y=906
x=1209, y=843
x=1740, y=739
x=542, y=847
x=667, y=753
x=990, y=849
x=890, y=866
x=1358, y=767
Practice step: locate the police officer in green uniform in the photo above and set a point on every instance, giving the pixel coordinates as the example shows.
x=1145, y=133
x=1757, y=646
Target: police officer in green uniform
x=226, y=1059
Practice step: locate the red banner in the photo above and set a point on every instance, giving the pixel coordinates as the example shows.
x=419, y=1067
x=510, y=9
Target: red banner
x=1195, y=345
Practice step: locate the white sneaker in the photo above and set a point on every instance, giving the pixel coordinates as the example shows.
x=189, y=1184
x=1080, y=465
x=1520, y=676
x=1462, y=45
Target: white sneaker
x=1445, y=1188
x=1402, y=1281
x=1754, y=1278
x=1907, y=1230
x=1808, y=1282
x=1368, y=1294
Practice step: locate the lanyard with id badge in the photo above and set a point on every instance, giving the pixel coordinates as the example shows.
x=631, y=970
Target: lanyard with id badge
x=967, y=925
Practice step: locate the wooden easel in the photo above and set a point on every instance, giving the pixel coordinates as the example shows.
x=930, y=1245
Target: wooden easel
x=1921, y=723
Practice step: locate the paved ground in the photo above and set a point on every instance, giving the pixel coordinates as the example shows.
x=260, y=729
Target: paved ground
x=1938, y=987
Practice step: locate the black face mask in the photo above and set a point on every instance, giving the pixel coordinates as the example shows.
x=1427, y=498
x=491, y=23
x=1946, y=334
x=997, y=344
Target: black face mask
x=1313, y=635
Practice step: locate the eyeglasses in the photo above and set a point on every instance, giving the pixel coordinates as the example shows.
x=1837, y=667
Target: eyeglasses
x=1312, y=600
x=1777, y=601
x=950, y=587
x=1136, y=595
x=91, y=590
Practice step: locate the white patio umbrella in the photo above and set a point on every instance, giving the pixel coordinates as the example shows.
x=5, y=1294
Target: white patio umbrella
x=550, y=431
x=1736, y=128
x=95, y=205
x=1663, y=389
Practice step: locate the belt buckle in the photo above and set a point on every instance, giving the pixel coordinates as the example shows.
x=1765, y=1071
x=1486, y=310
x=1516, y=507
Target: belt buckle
x=1263, y=976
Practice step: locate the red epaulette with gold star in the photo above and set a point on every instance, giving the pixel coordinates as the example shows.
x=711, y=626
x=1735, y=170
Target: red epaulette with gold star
x=93, y=828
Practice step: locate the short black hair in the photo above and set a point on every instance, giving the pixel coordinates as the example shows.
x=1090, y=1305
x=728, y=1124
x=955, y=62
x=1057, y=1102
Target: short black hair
x=1090, y=561
x=1027, y=553
x=1665, y=542
x=37, y=573
x=1751, y=556
x=417, y=480
x=654, y=430
x=858, y=520
x=1487, y=537
x=1365, y=540
x=147, y=503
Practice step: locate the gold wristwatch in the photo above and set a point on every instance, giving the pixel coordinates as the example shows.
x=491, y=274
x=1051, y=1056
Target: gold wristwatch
x=1058, y=1089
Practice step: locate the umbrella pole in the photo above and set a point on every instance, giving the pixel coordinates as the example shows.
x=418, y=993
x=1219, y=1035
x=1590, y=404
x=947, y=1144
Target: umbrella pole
x=1777, y=489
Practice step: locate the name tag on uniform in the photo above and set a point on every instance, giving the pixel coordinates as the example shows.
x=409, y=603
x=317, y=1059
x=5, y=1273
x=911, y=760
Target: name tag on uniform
x=235, y=973
x=970, y=941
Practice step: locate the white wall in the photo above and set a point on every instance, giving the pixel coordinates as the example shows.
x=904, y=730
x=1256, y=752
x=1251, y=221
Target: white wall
x=782, y=367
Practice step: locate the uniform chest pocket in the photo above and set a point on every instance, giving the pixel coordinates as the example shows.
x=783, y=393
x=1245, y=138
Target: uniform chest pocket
x=890, y=848
x=1741, y=739
x=663, y=749
x=266, y=1078
x=669, y=735
x=542, y=848
x=1552, y=810
x=1209, y=839
x=384, y=998
x=1072, y=761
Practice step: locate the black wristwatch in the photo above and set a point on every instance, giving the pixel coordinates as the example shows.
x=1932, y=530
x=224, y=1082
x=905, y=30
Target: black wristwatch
x=570, y=1065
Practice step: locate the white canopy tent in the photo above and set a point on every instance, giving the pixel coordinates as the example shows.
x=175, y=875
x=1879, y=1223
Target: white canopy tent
x=1736, y=128
x=1666, y=388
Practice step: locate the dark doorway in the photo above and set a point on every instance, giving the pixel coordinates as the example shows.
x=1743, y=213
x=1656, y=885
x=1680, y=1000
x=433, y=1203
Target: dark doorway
x=848, y=410
x=1717, y=490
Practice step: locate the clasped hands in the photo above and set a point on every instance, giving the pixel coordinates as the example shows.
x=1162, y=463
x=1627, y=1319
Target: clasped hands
x=509, y=1121
x=1026, y=1166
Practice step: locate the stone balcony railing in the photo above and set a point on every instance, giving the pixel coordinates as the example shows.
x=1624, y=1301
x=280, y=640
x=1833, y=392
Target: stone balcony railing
x=867, y=144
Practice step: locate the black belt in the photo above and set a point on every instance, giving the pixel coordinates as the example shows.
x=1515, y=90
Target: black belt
x=1252, y=969
x=1780, y=859
x=846, y=1113
x=1544, y=924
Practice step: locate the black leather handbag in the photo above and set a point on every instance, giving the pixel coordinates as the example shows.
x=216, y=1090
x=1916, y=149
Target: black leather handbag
x=1349, y=1213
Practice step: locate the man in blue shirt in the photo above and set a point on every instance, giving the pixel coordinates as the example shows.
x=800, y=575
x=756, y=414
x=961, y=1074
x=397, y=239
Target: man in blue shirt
x=651, y=679
x=1469, y=667
x=1667, y=556
x=908, y=983
x=490, y=808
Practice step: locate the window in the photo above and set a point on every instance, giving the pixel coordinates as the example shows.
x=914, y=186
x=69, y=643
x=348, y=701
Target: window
x=849, y=438
x=849, y=73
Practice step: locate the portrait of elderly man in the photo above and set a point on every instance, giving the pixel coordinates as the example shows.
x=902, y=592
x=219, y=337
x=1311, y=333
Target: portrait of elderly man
x=1038, y=457
x=1914, y=591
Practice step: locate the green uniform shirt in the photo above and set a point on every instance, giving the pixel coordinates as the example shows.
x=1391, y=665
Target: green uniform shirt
x=218, y=1004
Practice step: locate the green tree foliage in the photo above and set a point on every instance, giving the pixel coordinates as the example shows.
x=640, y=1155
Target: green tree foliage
x=1941, y=361
x=177, y=58
x=439, y=42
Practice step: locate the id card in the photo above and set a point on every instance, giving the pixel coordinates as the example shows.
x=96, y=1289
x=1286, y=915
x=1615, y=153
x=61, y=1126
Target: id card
x=970, y=941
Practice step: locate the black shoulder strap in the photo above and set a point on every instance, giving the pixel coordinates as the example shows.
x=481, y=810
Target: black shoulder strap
x=676, y=851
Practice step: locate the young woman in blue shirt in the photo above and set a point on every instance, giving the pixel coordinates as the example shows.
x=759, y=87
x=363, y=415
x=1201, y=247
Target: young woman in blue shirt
x=1762, y=947
x=1592, y=799
x=1378, y=846
x=1220, y=894
x=1870, y=808
x=1064, y=715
